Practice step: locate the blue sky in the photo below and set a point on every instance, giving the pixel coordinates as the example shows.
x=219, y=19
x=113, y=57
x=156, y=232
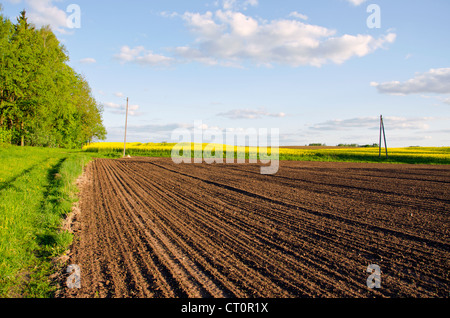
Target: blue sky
x=313, y=69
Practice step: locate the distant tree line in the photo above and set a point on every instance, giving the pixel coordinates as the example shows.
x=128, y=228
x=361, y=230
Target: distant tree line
x=357, y=145
x=43, y=101
x=317, y=145
x=344, y=145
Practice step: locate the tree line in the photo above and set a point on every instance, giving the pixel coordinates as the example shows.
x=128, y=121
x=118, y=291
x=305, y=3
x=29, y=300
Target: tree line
x=43, y=101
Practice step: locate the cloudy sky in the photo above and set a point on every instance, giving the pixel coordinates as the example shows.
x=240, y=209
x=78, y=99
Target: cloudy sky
x=320, y=71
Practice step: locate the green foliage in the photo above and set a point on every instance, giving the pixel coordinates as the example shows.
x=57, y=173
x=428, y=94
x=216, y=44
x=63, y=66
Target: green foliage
x=316, y=145
x=357, y=146
x=349, y=145
x=5, y=135
x=43, y=101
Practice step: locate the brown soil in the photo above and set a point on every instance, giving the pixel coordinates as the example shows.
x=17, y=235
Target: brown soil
x=151, y=228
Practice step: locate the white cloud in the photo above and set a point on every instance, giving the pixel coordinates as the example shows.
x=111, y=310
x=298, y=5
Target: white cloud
x=237, y=4
x=356, y=2
x=119, y=94
x=434, y=81
x=44, y=12
x=253, y=3
x=297, y=15
x=445, y=100
x=235, y=37
x=230, y=38
x=421, y=123
x=121, y=109
x=166, y=14
x=249, y=114
x=190, y=54
x=239, y=24
x=142, y=56
x=88, y=60
x=228, y=4
x=111, y=105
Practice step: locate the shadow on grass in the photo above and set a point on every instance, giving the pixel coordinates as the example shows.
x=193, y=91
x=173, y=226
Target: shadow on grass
x=9, y=184
x=51, y=207
x=46, y=240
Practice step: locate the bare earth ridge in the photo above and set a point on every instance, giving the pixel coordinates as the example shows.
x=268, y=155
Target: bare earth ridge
x=150, y=228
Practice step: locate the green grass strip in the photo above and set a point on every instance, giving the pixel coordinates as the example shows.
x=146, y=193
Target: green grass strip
x=37, y=190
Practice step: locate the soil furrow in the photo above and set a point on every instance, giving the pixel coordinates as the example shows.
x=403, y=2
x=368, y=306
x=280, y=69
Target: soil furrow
x=151, y=228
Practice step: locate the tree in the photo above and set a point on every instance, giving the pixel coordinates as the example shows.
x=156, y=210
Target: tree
x=6, y=100
x=43, y=101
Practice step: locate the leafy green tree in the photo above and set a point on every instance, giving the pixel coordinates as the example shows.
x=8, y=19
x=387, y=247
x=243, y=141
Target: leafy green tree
x=43, y=101
x=6, y=98
x=24, y=60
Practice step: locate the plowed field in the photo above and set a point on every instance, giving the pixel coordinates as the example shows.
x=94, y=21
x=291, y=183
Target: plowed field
x=151, y=228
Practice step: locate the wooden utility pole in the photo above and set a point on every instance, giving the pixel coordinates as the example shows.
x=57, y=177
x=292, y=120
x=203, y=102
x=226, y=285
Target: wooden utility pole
x=125, y=138
x=382, y=131
x=379, y=143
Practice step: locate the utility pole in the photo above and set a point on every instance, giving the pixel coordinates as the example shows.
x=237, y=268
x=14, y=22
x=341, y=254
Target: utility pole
x=126, y=123
x=382, y=131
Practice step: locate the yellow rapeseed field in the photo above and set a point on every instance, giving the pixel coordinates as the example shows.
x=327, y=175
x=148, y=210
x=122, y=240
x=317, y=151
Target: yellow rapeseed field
x=427, y=155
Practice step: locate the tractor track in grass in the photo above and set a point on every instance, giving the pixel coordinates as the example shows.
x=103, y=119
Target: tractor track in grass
x=151, y=228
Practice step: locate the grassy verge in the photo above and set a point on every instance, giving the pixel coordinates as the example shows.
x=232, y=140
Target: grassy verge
x=37, y=190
